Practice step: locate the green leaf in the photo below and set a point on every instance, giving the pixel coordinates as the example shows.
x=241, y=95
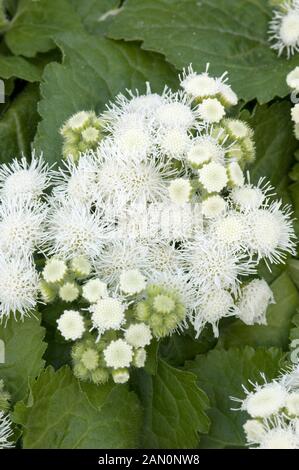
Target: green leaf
x=182, y=347
x=96, y=15
x=221, y=375
x=94, y=71
x=293, y=268
x=18, y=124
x=37, y=22
x=174, y=408
x=230, y=35
x=279, y=317
x=275, y=142
x=11, y=66
x=24, y=349
x=62, y=414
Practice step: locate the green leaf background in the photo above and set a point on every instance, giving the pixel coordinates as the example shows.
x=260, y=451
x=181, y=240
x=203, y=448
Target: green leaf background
x=60, y=56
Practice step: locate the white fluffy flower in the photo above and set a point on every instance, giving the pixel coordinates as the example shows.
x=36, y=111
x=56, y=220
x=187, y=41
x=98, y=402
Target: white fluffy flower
x=179, y=282
x=211, y=110
x=118, y=256
x=213, y=177
x=72, y=231
x=254, y=430
x=180, y=190
x=24, y=180
x=107, y=314
x=176, y=112
x=265, y=400
x=71, y=325
x=216, y=304
x=69, y=292
x=21, y=226
x=132, y=281
x=228, y=95
x=54, y=270
x=214, y=265
x=270, y=232
x=5, y=431
x=293, y=79
x=145, y=105
x=118, y=354
x=138, y=335
x=132, y=135
x=213, y=206
x=199, y=85
x=230, y=230
x=94, y=290
x=205, y=149
x=129, y=181
x=173, y=142
x=162, y=256
x=284, y=28
x=281, y=436
x=18, y=287
x=250, y=196
x=77, y=180
x=80, y=266
x=238, y=129
x=254, y=301
x=202, y=85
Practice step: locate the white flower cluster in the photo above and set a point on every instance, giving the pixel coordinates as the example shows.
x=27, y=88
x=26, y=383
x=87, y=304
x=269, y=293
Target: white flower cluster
x=23, y=212
x=274, y=413
x=284, y=28
x=154, y=227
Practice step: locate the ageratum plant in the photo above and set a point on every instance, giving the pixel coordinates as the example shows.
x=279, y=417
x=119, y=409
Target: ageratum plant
x=148, y=225
x=151, y=225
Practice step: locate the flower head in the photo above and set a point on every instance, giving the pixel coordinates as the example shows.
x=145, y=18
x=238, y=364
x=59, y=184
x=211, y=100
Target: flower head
x=71, y=325
x=213, y=177
x=213, y=206
x=212, y=264
x=213, y=306
x=118, y=256
x=270, y=232
x=18, y=287
x=132, y=281
x=94, y=290
x=74, y=231
x=24, y=180
x=21, y=226
x=138, y=335
x=54, y=270
x=118, y=354
x=254, y=301
x=180, y=190
x=284, y=28
x=107, y=314
x=211, y=110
